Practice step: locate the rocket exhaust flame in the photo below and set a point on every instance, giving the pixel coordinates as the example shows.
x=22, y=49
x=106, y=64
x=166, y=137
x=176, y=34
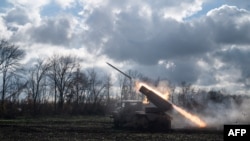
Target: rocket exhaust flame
x=195, y=119
x=144, y=88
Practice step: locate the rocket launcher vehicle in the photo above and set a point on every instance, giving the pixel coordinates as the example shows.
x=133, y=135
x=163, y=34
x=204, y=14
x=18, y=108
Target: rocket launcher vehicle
x=158, y=101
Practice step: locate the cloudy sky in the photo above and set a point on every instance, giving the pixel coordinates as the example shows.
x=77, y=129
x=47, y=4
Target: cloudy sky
x=203, y=42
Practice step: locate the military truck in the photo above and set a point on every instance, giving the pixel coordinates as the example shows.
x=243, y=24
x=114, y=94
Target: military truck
x=134, y=114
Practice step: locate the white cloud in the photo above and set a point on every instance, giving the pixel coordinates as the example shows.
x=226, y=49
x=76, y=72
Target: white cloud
x=239, y=3
x=32, y=8
x=4, y=32
x=183, y=10
x=29, y=3
x=146, y=11
x=65, y=3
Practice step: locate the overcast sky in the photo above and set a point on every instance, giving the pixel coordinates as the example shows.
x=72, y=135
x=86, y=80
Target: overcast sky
x=203, y=42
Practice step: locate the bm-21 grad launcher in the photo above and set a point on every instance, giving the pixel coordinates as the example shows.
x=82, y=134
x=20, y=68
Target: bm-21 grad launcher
x=135, y=114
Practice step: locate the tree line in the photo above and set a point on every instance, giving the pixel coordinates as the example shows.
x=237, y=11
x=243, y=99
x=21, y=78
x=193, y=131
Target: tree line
x=53, y=85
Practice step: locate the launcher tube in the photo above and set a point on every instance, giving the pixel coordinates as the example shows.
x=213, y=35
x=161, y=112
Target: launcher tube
x=158, y=101
x=120, y=71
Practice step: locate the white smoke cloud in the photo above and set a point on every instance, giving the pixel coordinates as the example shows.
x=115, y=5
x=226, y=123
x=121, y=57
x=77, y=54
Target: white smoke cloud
x=217, y=112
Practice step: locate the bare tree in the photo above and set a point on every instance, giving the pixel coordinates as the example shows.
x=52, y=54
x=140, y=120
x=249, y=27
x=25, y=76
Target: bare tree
x=16, y=86
x=62, y=68
x=53, y=77
x=107, y=92
x=96, y=86
x=186, y=88
x=172, y=88
x=10, y=55
x=36, y=85
x=108, y=86
x=78, y=86
x=124, y=84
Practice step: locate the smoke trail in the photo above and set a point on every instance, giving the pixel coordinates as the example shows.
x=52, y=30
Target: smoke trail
x=218, y=110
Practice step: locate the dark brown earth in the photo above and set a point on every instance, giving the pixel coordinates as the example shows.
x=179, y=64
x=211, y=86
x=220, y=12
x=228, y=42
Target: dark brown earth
x=92, y=128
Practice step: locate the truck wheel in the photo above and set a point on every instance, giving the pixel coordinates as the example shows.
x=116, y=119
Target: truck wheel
x=160, y=124
x=141, y=123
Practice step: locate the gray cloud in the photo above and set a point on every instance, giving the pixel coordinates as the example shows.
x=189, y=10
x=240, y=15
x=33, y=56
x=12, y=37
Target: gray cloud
x=229, y=25
x=237, y=58
x=239, y=3
x=52, y=30
x=166, y=39
x=138, y=32
x=146, y=42
x=17, y=15
x=184, y=70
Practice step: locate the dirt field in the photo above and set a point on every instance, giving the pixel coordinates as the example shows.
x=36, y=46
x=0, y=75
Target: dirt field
x=90, y=128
